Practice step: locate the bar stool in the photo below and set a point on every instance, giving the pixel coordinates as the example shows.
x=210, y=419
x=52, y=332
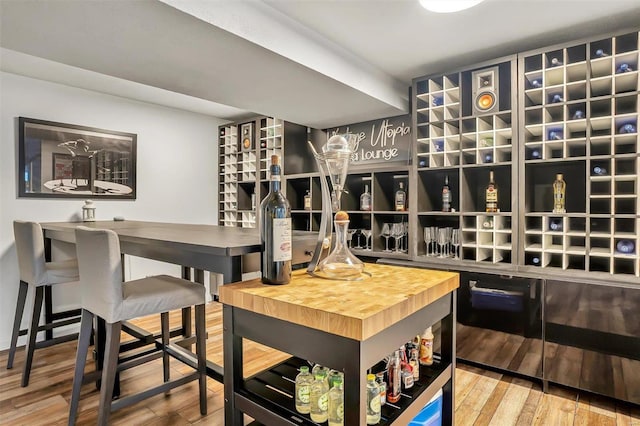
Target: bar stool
x=105, y=295
x=37, y=273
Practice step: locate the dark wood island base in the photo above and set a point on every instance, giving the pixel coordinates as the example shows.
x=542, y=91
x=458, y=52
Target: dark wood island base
x=346, y=325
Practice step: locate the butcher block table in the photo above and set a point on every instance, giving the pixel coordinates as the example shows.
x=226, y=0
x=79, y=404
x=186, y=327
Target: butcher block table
x=350, y=326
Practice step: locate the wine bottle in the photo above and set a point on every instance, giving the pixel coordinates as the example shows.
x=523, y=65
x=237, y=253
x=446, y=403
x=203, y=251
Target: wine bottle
x=627, y=128
x=401, y=198
x=599, y=171
x=624, y=67
x=559, y=189
x=365, y=199
x=556, y=98
x=446, y=195
x=275, y=231
x=307, y=200
x=600, y=53
x=491, y=195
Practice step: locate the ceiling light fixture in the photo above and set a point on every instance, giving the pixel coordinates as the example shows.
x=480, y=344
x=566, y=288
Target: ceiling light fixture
x=448, y=6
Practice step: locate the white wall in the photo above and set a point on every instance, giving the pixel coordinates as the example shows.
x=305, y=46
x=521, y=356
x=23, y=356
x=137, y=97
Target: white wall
x=177, y=176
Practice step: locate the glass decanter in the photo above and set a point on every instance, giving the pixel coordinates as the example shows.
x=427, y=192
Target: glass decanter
x=341, y=263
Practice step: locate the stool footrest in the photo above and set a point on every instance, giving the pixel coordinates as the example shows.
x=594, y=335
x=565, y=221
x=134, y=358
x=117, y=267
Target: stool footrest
x=129, y=400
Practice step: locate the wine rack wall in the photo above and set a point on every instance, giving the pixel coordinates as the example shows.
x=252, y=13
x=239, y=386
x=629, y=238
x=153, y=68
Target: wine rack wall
x=570, y=109
x=244, y=170
x=580, y=105
x=459, y=143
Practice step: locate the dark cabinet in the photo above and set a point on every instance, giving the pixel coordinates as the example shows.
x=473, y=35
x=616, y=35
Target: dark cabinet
x=592, y=338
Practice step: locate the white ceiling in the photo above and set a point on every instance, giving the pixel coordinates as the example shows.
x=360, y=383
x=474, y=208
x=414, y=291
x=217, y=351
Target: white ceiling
x=321, y=63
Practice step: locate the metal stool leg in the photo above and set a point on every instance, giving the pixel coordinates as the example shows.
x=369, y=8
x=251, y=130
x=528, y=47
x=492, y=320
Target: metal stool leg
x=109, y=369
x=164, y=321
x=33, y=332
x=22, y=297
x=86, y=330
x=201, y=352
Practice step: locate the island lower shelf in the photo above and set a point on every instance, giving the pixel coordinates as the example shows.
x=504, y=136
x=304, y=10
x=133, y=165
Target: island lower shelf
x=274, y=388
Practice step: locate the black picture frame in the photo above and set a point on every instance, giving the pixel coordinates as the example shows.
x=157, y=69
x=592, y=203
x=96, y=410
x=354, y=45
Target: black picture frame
x=61, y=160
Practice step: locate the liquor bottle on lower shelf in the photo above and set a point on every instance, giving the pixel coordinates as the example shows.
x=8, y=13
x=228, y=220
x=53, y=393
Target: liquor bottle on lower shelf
x=275, y=231
x=400, y=199
x=336, y=403
x=303, y=390
x=383, y=387
x=307, y=200
x=365, y=199
x=491, y=195
x=426, y=347
x=559, y=190
x=373, y=400
x=407, y=371
x=446, y=195
x=319, y=398
x=394, y=377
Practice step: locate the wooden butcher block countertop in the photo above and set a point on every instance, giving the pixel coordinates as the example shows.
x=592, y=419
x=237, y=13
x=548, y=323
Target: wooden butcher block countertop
x=352, y=309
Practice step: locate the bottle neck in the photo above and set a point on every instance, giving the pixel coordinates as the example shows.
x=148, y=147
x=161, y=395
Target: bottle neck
x=275, y=179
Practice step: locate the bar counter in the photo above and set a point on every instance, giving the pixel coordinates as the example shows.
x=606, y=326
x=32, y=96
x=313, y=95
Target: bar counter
x=349, y=326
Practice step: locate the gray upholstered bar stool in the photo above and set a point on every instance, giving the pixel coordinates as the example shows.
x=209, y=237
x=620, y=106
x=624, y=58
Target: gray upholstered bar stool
x=37, y=273
x=106, y=296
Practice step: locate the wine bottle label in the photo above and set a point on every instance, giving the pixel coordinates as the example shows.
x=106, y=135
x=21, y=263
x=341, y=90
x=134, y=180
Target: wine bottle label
x=492, y=196
x=281, y=239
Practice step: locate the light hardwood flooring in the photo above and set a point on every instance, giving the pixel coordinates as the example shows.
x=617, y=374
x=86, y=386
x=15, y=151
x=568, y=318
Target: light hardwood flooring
x=482, y=397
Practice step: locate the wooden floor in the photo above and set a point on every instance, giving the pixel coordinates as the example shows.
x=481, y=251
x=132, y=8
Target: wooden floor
x=482, y=397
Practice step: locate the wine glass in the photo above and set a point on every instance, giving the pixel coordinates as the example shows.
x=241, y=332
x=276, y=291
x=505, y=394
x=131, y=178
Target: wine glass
x=386, y=233
x=397, y=230
x=405, y=233
x=367, y=235
x=350, y=233
x=359, y=235
x=455, y=242
x=428, y=237
x=447, y=241
x=442, y=240
x=434, y=237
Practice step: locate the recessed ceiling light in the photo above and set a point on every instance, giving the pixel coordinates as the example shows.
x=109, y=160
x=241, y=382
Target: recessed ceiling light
x=448, y=6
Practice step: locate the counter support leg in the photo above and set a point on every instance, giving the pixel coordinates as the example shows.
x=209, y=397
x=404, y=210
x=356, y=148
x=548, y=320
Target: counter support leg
x=186, y=312
x=355, y=389
x=449, y=356
x=232, y=345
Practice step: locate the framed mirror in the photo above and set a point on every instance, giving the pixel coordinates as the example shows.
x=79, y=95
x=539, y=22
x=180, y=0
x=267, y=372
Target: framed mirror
x=70, y=161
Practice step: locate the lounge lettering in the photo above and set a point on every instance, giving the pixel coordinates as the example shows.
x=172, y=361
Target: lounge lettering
x=379, y=141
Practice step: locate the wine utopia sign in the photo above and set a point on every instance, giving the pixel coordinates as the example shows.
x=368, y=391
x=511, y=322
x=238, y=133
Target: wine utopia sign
x=380, y=141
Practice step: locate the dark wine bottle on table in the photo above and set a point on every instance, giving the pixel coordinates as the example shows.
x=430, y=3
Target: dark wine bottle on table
x=275, y=231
